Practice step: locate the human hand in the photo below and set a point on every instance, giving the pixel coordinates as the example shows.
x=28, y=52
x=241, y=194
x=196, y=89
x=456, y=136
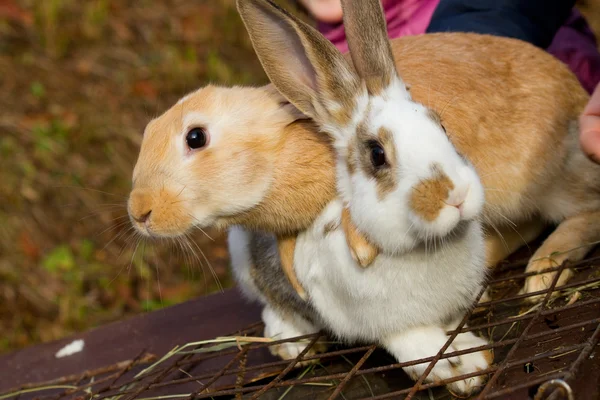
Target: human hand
x=328, y=11
x=589, y=127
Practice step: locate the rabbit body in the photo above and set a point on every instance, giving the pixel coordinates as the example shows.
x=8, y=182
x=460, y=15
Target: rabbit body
x=421, y=287
x=405, y=303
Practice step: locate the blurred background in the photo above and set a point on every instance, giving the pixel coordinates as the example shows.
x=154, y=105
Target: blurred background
x=79, y=80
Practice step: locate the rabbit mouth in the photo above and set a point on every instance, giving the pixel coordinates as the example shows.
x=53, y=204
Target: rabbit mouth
x=431, y=240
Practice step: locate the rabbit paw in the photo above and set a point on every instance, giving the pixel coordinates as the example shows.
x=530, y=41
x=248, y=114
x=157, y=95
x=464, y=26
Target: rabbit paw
x=537, y=283
x=278, y=327
x=426, y=342
x=363, y=252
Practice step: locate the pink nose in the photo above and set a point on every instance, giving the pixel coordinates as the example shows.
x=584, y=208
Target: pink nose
x=457, y=198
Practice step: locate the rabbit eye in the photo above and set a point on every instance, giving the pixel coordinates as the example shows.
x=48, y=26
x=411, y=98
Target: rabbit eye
x=196, y=138
x=377, y=155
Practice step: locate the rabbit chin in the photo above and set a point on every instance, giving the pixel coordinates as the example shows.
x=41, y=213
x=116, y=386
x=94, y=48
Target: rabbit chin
x=449, y=221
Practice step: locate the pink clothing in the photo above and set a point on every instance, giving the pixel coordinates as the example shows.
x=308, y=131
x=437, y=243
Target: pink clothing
x=574, y=43
x=404, y=17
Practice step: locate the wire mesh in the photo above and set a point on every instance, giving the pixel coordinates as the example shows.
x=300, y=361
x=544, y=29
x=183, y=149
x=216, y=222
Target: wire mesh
x=538, y=353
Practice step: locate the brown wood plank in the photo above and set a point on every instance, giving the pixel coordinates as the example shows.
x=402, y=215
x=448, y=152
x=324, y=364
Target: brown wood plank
x=156, y=332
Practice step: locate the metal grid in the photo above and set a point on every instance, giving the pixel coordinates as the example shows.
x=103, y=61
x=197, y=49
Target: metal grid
x=538, y=352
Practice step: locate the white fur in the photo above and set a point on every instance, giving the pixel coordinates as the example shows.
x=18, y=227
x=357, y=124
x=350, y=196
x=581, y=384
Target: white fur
x=238, y=242
x=426, y=341
x=279, y=327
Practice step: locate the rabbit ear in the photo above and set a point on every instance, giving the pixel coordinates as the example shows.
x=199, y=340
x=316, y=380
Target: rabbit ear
x=370, y=49
x=303, y=65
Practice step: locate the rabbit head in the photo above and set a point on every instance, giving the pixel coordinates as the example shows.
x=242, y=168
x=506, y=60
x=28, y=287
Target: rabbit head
x=215, y=159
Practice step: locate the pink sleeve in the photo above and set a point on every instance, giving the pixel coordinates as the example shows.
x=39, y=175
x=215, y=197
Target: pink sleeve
x=404, y=17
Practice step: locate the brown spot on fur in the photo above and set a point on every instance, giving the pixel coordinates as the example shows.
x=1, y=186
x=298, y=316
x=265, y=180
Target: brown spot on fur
x=351, y=156
x=488, y=355
x=330, y=227
x=386, y=181
x=435, y=116
x=428, y=197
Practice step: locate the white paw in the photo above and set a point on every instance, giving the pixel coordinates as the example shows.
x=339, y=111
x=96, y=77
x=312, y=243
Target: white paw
x=426, y=342
x=470, y=363
x=278, y=327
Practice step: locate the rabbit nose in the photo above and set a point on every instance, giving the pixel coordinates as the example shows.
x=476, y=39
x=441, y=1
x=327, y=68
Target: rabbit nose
x=143, y=218
x=458, y=197
x=140, y=205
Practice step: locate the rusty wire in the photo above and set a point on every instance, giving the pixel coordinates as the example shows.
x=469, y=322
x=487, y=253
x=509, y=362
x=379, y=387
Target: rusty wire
x=551, y=342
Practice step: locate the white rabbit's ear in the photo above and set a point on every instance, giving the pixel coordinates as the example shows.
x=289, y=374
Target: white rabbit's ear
x=370, y=49
x=304, y=66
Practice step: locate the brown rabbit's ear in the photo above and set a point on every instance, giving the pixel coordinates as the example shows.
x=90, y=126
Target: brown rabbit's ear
x=370, y=49
x=304, y=66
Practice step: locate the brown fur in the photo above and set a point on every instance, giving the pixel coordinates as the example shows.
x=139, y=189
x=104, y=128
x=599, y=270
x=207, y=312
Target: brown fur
x=304, y=182
x=351, y=159
x=482, y=121
x=427, y=198
x=435, y=117
x=300, y=158
x=330, y=227
x=386, y=180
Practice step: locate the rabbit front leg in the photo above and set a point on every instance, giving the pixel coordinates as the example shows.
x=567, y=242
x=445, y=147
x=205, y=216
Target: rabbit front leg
x=426, y=341
x=279, y=326
x=286, y=247
x=362, y=251
x=570, y=241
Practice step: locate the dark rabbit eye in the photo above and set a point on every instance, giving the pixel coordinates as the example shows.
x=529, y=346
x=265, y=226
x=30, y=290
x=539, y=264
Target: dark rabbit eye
x=377, y=155
x=196, y=138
